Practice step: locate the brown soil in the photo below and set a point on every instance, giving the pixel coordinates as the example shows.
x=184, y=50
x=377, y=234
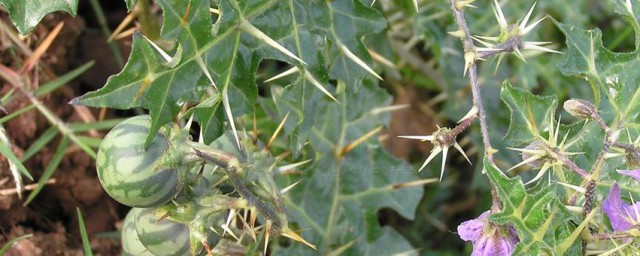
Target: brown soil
x=51, y=218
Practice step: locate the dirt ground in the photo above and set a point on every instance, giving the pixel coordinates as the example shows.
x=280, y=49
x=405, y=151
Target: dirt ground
x=51, y=217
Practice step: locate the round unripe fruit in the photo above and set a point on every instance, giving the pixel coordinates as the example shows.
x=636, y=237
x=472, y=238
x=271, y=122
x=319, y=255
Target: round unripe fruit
x=132, y=174
x=131, y=245
x=161, y=237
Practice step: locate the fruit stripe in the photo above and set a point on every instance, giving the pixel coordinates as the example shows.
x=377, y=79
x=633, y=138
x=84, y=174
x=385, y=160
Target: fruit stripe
x=163, y=237
x=131, y=245
x=123, y=168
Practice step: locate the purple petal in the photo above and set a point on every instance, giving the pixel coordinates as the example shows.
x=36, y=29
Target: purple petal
x=493, y=246
x=631, y=173
x=488, y=238
x=481, y=247
x=471, y=230
x=616, y=210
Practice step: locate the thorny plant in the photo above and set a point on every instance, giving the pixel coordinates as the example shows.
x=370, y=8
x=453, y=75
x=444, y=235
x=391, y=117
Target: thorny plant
x=526, y=221
x=202, y=67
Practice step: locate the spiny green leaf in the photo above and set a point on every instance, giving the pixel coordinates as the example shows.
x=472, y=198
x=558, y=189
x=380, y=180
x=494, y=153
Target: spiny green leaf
x=147, y=81
x=225, y=57
x=539, y=219
x=336, y=203
x=25, y=14
x=612, y=73
x=347, y=22
x=529, y=114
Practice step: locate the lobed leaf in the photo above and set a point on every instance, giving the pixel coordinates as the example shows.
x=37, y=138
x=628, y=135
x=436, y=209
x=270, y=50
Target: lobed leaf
x=336, y=203
x=529, y=114
x=26, y=14
x=223, y=58
x=612, y=74
x=538, y=217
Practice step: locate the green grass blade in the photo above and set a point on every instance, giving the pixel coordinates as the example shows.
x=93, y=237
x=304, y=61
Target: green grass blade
x=7, y=246
x=83, y=233
x=51, y=168
x=86, y=148
x=99, y=125
x=8, y=153
x=42, y=141
x=102, y=22
x=5, y=99
x=90, y=141
x=16, y=113
x=62, y=80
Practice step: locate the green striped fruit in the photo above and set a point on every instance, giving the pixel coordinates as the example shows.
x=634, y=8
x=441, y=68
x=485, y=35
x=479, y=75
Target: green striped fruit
x=161, y=236
x=131, y=245
x=132, y=174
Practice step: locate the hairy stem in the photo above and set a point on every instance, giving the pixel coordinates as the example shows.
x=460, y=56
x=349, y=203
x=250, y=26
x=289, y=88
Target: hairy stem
x=595, y=173
x=255, y=201
x=558, y=155
x=231, y=166
x=468, y=46
x=623, y=235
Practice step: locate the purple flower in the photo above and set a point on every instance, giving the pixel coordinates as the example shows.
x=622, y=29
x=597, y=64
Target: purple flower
x=621, y=215
x=488, y=238
x=631, y=173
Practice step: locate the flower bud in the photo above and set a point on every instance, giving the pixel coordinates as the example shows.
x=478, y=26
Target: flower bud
x=580, y=108
x=534, y=146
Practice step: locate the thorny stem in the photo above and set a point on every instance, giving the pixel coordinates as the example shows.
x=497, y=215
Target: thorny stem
x=595, y=171
x=253, y=200
x=608, y=141
x=611, y=236
x=587, y=208
x=601, y=122
x=507, y=46
x=467, y=43
x=625, y=146
x=231, y=166
x=449, y=138
x=462, y=126
x=568, y=163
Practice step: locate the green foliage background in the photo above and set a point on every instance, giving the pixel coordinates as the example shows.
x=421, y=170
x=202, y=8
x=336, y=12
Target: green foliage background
x=217, y=62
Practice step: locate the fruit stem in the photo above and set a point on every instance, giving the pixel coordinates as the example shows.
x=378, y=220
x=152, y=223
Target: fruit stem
x=231, y=165
x=221, y=202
